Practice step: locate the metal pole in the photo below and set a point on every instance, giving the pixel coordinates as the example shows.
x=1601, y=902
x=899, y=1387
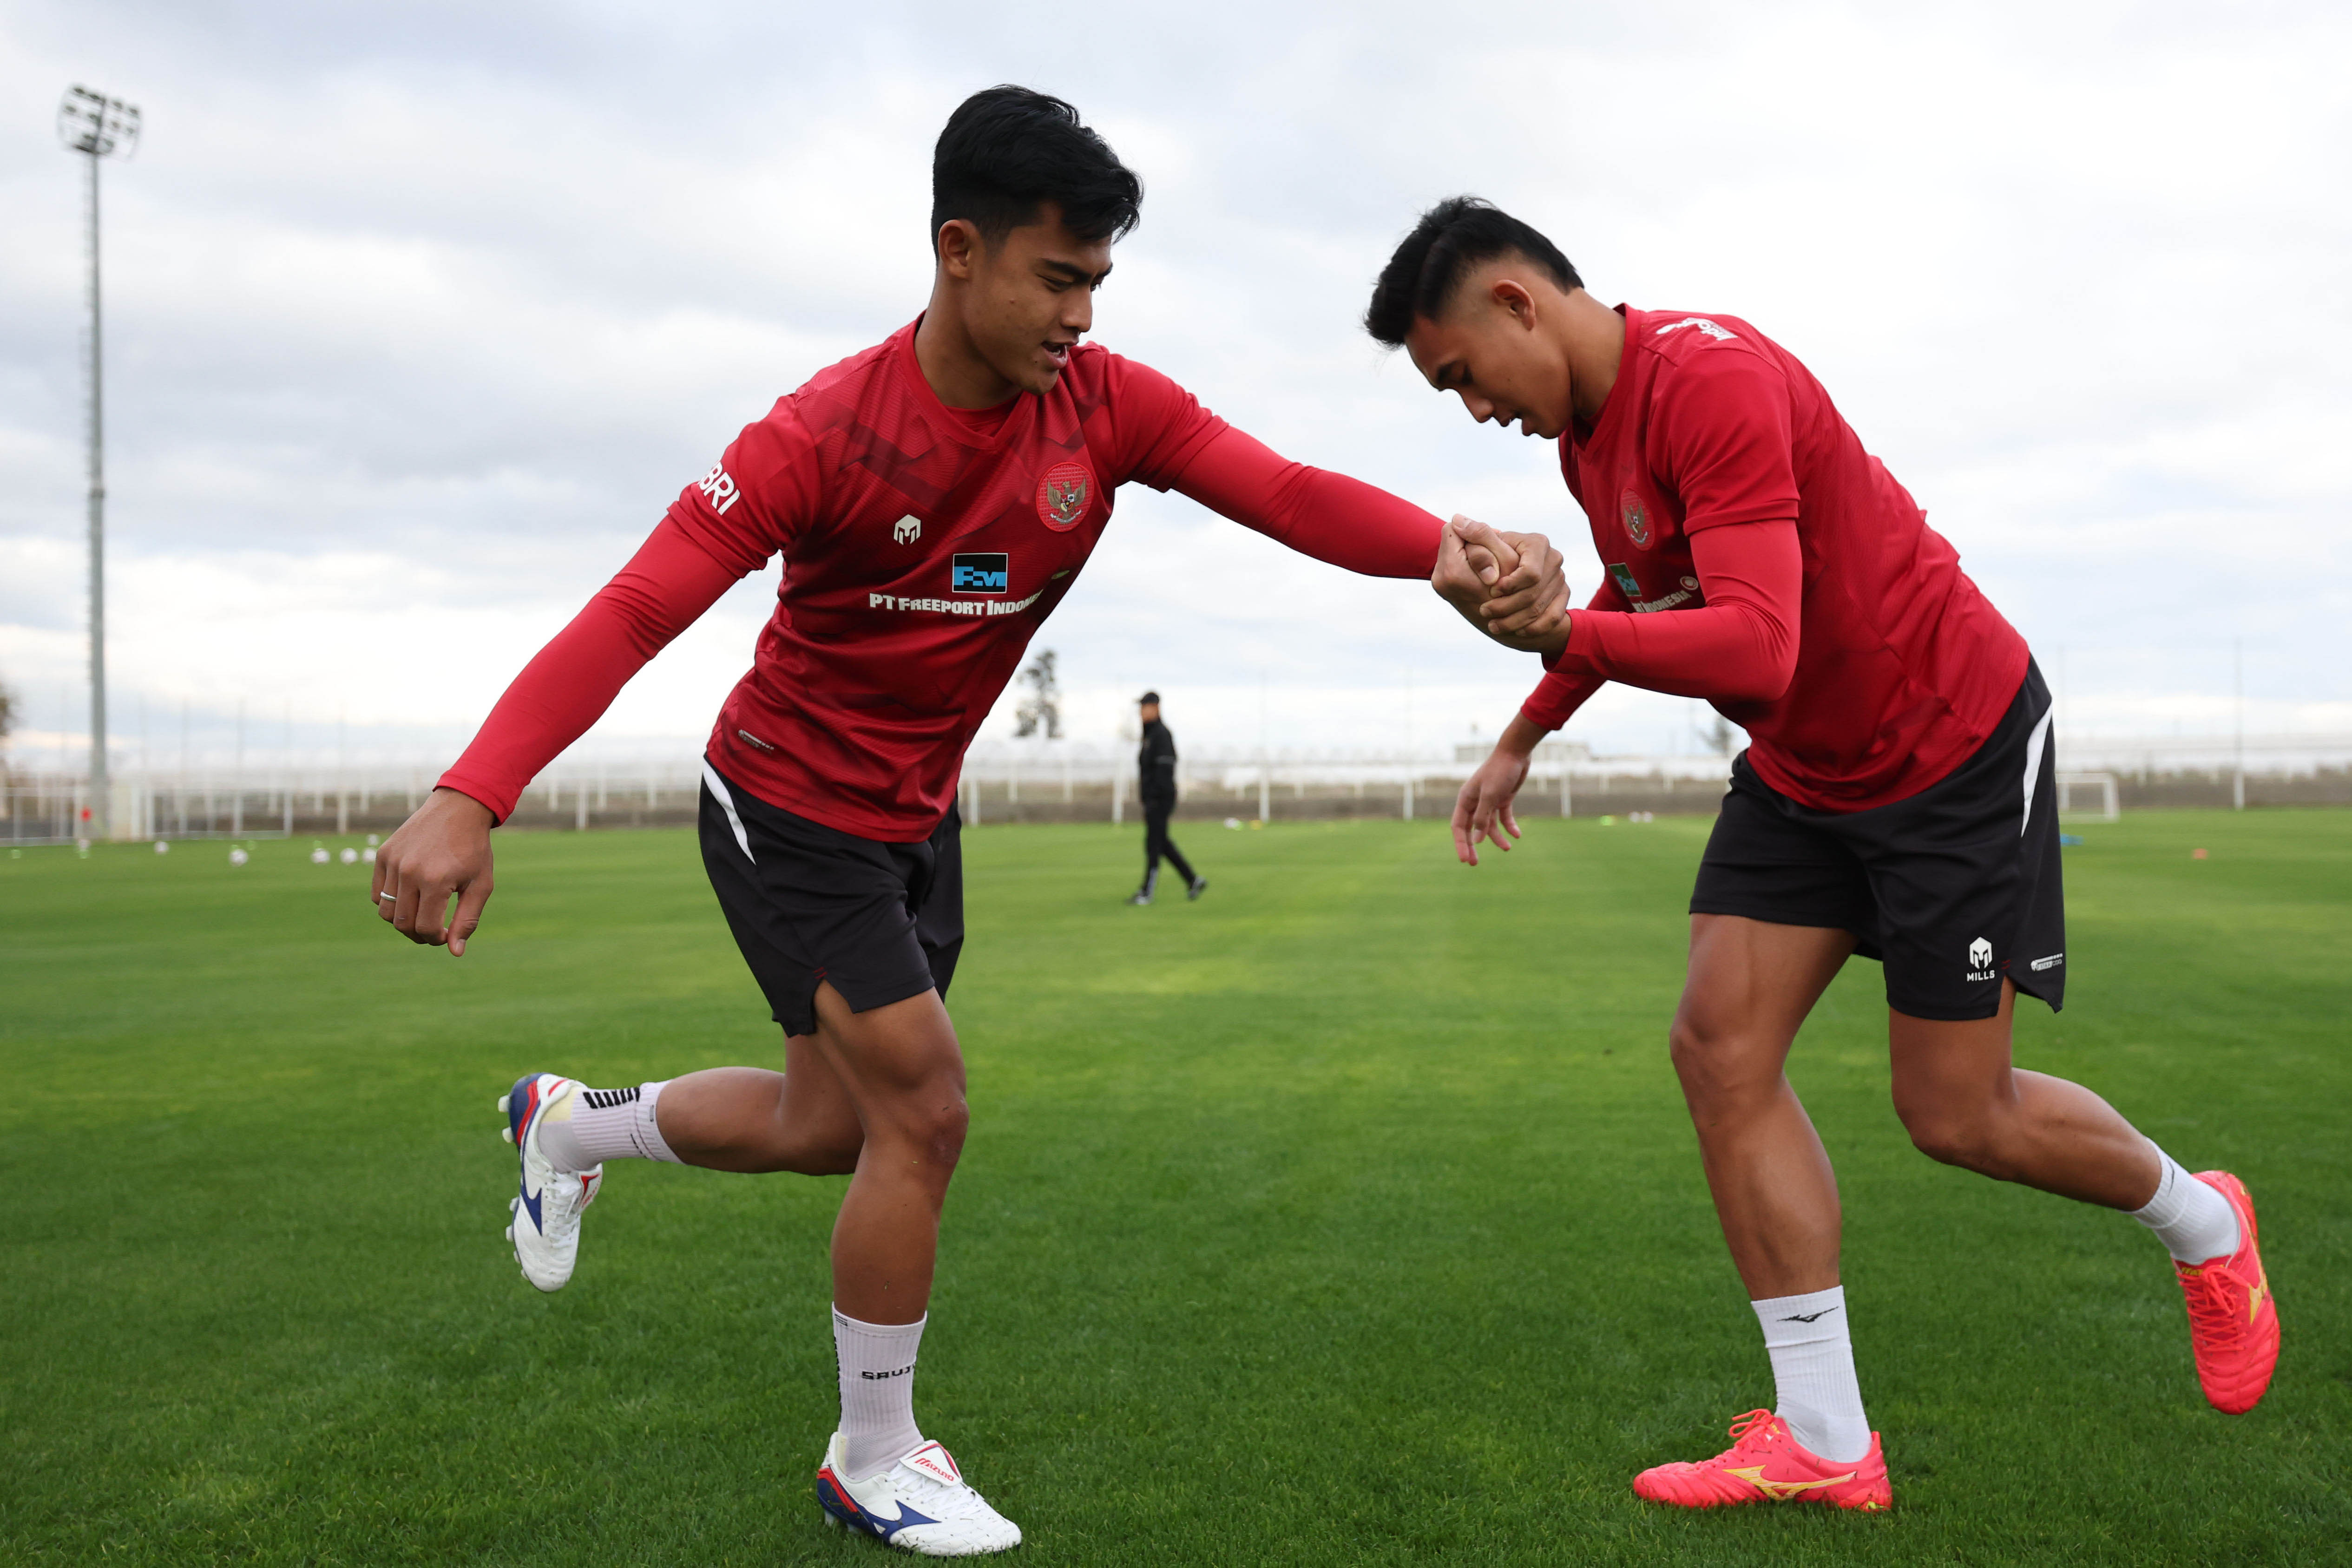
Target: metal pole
x=2060, y=733
x=237, y=779
x=100, y=805
x=1264, y=779
x=1408, y=745
x=2238, y=683
x=96, y=126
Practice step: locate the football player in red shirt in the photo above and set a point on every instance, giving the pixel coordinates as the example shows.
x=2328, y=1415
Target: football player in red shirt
x=1896, y=799
x=933, y=498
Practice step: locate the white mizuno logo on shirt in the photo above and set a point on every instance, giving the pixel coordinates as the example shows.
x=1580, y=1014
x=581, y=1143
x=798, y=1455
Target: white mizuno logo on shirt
x=1720, y=334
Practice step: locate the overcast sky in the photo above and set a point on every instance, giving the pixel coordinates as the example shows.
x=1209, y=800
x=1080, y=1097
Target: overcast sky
x=420, y=314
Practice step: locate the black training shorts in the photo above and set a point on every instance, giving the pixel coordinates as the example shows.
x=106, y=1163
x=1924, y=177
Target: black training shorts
x=813, y=904
x=1952, y=889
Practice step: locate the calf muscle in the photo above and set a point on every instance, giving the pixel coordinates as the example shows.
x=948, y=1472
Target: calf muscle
x=1750, y=984
x=903, y=1072
x=1964, y=1103
x=751, y=1119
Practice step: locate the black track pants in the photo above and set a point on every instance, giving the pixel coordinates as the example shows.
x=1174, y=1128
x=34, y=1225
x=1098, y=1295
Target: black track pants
x=1156, y=841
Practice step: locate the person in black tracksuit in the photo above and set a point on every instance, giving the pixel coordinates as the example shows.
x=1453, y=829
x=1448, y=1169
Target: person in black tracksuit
x=1157, y=761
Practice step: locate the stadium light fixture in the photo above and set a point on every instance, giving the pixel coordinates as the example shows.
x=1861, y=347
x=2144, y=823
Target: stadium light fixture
x=97, y=127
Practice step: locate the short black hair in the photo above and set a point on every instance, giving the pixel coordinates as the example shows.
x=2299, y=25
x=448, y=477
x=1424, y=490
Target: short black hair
x=1008, y=151
x=1451, y=238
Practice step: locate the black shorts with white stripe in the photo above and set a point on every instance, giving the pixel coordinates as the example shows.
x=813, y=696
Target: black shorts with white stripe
x=813, y=905
x=1952, y=890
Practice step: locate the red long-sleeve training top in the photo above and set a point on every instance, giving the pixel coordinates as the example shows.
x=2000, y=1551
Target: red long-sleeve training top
x=923, y=546
x=1759, y=558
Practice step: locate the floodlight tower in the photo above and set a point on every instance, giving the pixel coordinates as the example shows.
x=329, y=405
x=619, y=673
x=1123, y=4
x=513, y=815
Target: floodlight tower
x=97, y=126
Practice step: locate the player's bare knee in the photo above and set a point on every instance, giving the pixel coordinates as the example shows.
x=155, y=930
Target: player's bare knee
x=944, y=1132
x=1712, y=1064
x=931, y=1128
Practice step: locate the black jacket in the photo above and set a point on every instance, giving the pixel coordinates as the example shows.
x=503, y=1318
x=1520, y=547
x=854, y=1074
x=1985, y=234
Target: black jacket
x=1157, y=763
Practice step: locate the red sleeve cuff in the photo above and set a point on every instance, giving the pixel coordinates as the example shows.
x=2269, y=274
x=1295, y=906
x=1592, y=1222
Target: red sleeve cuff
x=1573, y=658
x=1556, y=699
x=500, y=803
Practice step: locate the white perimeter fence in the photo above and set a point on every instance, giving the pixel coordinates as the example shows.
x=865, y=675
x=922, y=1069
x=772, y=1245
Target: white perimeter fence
x=1072, y=781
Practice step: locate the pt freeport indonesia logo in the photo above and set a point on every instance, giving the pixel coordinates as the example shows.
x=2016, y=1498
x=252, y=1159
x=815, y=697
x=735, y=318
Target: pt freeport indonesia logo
x=977, y=579
x=982, y=573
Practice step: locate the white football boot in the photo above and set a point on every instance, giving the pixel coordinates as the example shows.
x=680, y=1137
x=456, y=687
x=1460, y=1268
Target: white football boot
x=921, y=1504
x=544, y=1217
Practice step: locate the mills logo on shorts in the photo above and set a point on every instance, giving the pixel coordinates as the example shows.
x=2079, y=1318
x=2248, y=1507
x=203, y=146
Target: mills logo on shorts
x=981, y=573
x=1980, y=960
x=1637, y=520
x=1061, y=496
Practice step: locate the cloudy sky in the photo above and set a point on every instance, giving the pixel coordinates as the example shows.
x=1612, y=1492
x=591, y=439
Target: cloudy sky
x=419, y=315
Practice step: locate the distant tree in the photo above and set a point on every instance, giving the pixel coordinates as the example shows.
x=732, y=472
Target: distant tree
x=1722, y=736
x=1040, y=707
x=7, y=713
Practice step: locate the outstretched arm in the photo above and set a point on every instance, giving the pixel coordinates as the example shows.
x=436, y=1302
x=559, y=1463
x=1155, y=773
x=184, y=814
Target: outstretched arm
x=1503, y=582
x=721, y=529
x=664, y=589
x=1329, y=515
x=445, y=847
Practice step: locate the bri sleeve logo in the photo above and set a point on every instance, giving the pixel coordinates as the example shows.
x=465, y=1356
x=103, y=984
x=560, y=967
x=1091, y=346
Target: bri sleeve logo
x=1063, y=495
x=719, y=486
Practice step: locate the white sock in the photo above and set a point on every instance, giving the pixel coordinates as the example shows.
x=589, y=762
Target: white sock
x=2193, y=1221
x=1812, y=1372
x=592, y=1126
x=878, y=1392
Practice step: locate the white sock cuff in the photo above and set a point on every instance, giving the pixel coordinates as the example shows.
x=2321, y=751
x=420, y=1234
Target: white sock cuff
x=592, y=1126
x=645, y=1134
x=1802, y=1319
x=843, y=1320
x=2194, y=1222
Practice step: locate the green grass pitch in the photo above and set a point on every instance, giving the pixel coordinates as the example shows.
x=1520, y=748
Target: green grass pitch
x=1349, y=1216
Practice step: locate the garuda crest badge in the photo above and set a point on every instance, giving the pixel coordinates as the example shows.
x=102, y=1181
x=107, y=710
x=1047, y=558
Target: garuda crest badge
x=1637, y=521
x=1063, y=495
